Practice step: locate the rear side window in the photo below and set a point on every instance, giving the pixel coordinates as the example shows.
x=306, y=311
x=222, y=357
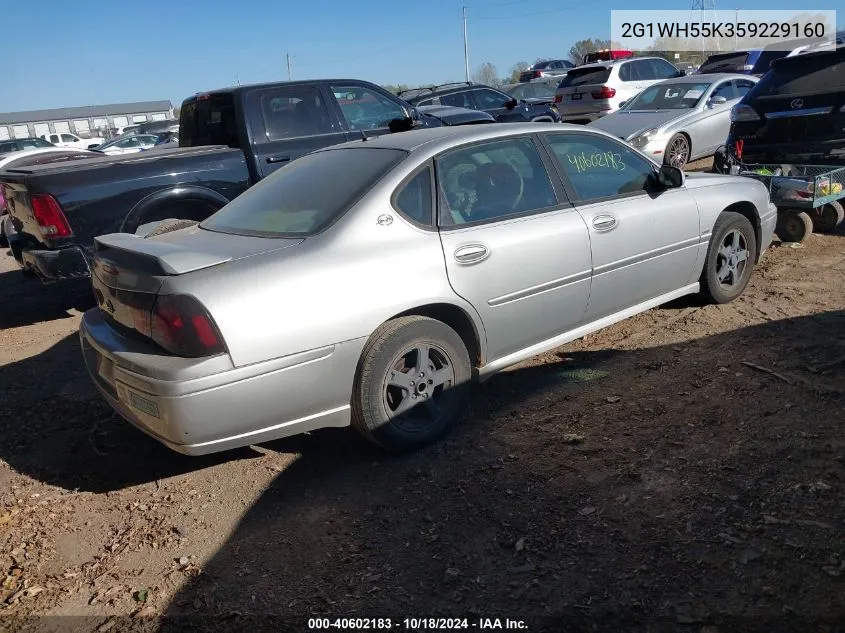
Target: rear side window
x=296, y=201
x=208, y=120
x=293, y=111
x=585, y=77
x=458, y=100
x=804, y=76
x=663, y=69
x=7, y=147
x=414, y=198
x=729, y=62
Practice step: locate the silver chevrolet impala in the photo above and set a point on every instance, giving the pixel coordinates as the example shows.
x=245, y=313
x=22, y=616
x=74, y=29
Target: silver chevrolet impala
x=369, y=283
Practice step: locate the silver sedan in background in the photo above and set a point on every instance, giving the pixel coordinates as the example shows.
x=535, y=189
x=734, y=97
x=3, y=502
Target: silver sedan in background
x=370, y=282
x=681, y=119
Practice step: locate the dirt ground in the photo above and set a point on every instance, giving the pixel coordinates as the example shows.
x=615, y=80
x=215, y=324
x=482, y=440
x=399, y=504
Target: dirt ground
x=682, y=470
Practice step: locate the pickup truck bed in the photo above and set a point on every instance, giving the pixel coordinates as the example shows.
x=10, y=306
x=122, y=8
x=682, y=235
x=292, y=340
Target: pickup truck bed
x=138, y=185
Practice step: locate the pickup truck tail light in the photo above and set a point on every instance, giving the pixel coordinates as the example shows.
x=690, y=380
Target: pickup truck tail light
x=182, y=326
x=605, y=92
x=537, y=74
x=50, y=217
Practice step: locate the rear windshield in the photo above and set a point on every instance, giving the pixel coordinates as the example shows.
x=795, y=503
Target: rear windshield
x=764, y=60
x=208, y=120
x=802, y=75
x=540, y=65
x=585, y=77
x=724, y=63
x=305, y=196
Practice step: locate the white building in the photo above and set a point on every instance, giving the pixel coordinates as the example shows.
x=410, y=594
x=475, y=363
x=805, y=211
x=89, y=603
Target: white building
x=85, y=121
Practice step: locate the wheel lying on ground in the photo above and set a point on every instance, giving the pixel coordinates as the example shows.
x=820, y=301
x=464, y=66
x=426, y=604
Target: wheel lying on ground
x=730, y=258
x=793, y=226
x=828, y=217
x=677, y=151
x=170, y=225
x=412, y=383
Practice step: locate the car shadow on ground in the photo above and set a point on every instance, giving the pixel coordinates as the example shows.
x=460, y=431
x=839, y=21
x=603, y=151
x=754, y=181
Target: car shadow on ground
x=597, y=492
x=25, y=300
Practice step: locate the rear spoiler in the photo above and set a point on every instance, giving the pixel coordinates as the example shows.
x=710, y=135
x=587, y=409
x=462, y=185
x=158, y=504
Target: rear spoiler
x=165, y=258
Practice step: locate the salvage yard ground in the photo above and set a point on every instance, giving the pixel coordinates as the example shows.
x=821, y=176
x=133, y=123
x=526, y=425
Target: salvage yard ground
x=683, y=470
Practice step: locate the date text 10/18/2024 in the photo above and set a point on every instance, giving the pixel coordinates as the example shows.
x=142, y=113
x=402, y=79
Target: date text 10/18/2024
x=417, y=624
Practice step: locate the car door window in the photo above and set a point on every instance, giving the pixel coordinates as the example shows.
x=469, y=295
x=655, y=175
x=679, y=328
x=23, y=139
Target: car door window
x=294, y=111
x=457, y=100
x=492, y=180
x=489, y=99
x=7, y=147
x=643, y=70
x=742, y=86
x=413, y=199
x=366, y=109
x=663, y=69
x=625, y=72
x=67, y=138
x=725, y=90
x=54, y=138
x=598, y=167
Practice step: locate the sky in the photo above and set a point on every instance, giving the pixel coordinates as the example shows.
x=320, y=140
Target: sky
x=59, y=53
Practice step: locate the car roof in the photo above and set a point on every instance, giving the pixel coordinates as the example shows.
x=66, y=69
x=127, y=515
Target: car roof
x=442, y=138
x=616, y=62
x=275, y=84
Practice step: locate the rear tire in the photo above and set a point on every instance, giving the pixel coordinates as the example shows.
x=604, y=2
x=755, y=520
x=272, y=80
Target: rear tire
x=411, y=385
x=828, y=217
x=171, y=225
x=730, y=258
x=793, y=226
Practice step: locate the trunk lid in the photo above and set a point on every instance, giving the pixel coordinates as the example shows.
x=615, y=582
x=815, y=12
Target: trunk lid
x=128, y=271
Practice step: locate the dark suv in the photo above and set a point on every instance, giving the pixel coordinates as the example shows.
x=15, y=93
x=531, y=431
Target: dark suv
x=751, y=62
x=795, y=113
x=503, y=107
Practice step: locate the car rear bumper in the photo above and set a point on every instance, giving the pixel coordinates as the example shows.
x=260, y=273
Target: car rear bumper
x=205, y=405
x=581, y=117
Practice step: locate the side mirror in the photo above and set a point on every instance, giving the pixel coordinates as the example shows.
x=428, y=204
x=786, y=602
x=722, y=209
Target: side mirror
x=670, y=177
x=510, y=105
x=714, y=101
x=622, y=105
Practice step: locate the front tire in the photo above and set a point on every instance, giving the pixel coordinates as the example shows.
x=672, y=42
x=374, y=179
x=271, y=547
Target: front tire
x=730, y=258
x=411, y=385
x=678, y=151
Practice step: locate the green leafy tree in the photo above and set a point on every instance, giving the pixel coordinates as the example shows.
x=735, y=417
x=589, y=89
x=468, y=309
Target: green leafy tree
x=582, y=47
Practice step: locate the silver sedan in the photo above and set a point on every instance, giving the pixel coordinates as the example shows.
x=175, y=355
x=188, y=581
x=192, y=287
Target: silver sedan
x=369, y=283
x=681, y=119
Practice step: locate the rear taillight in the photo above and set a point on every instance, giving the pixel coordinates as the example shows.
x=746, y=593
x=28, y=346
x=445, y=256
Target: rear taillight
x=182, y=326
x=741, y=112
x=606, y=92
x=50, y=217
x=537, y=74
x=558, y=98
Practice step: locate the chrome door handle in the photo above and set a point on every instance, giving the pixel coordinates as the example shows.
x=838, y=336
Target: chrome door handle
x=471, y=253
x=604, y=222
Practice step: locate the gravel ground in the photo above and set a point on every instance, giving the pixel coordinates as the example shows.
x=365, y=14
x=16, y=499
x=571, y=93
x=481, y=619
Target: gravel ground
x=682, y=470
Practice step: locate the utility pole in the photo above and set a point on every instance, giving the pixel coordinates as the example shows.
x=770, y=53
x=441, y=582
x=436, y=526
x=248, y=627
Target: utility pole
x=289, y=73
x=466, y=45
x=736, y=22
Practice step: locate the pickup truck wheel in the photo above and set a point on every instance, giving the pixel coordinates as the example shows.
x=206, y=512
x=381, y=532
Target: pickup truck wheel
x=730, y=258
x=170, y=225
x=793, y=226
x=826, y=219
x=412, y=383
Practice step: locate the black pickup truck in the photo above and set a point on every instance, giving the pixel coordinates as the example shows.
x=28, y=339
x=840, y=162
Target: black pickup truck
x=228, y=140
